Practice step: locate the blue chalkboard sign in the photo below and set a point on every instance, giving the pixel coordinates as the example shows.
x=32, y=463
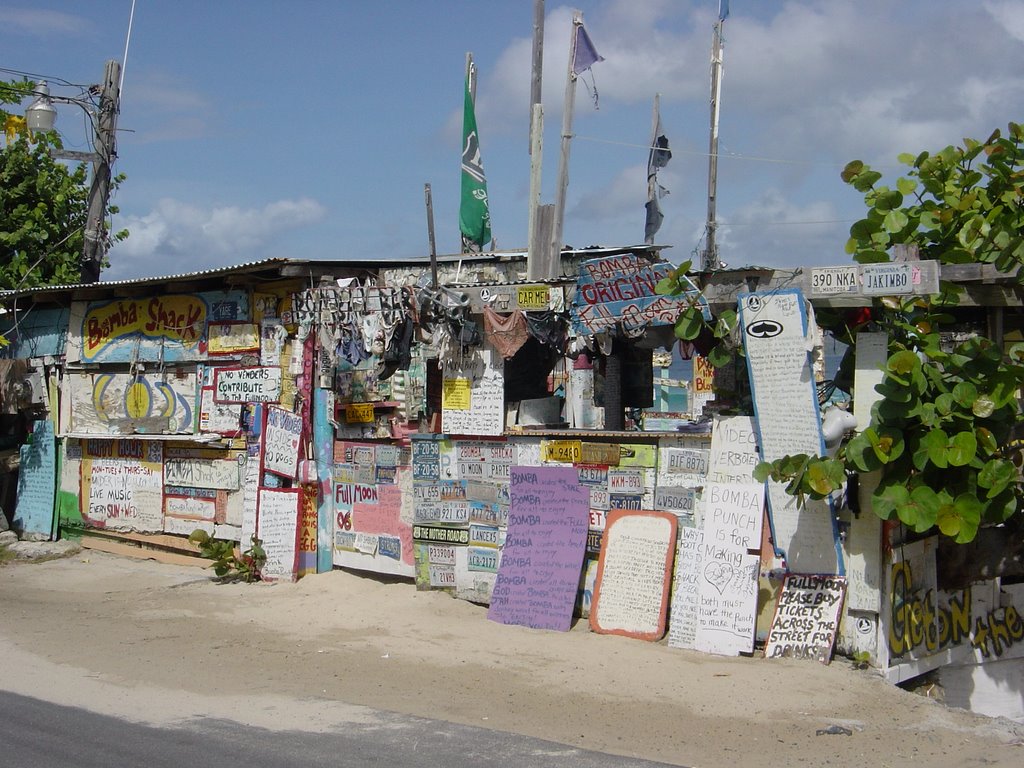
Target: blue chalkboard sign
x=37, y=482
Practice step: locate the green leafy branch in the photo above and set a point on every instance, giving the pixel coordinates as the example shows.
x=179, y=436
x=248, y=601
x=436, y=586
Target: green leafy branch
x=691, y=324
x=942, y=437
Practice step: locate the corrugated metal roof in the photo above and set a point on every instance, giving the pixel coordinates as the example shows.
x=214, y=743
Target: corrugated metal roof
x=256, y=266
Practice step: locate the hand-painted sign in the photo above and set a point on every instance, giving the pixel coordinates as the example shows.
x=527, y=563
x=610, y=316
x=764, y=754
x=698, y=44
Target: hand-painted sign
x=633, y=574
x=281, y=435
x=789, y=423
x=247, y=385
x=232, y=338
x=806, y=618
x=175, y=317
x=620, y=290
x=278, y=528
x=543, y=553
x=128, y=403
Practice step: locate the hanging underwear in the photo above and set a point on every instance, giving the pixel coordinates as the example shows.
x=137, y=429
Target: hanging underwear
x=548, y=328
x=507, y=333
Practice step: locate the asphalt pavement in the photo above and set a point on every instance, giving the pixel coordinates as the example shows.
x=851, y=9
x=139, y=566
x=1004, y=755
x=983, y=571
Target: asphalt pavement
x=39, y=734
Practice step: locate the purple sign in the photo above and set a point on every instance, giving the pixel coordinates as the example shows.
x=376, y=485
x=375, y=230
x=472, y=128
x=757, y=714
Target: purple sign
x=539, y=573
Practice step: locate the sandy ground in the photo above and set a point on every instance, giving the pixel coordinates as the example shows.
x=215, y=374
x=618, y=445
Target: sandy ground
x=160, y=644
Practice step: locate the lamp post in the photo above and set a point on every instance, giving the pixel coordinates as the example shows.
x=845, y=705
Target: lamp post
x=42, y=116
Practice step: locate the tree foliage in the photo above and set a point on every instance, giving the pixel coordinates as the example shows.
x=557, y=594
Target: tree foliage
x=43, y=205
x=942, y=437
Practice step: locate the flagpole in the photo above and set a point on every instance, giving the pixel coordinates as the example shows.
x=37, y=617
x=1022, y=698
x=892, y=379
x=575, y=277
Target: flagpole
x=710, y=260
x=562, y=184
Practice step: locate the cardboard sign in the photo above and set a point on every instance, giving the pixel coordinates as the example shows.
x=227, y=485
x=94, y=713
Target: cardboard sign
x=633, y=574
x=734, y=452
x=682, y=632
x=232, y=338
x=543, y=554
x=281, y=435
x=481, y=409
x=727, y=611
x=223, y=418
x=278, y=528
x=247, y=385
x=806, y=618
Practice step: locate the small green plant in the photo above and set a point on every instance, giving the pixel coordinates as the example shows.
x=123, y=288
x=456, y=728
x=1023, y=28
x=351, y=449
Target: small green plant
x=229, y=566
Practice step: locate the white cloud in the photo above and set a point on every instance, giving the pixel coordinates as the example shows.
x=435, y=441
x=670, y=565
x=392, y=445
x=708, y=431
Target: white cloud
x=31, y=21
x=1010, y=15
x=808, y=233
x=179, y=237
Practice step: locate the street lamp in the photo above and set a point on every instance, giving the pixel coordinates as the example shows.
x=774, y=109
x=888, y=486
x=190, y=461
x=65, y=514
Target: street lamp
x=42, y=116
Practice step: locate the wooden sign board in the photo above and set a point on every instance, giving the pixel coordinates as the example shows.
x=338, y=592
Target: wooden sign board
x=634, y=574
x=806, y=618
x=789, y=422
x=541, y=561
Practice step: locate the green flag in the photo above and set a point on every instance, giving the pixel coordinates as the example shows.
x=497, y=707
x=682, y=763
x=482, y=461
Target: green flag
x=474, y=215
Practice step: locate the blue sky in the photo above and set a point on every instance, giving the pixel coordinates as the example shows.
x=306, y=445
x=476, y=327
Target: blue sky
x=307, y=128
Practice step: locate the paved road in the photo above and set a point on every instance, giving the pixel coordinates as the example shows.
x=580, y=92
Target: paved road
x=38, y=734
